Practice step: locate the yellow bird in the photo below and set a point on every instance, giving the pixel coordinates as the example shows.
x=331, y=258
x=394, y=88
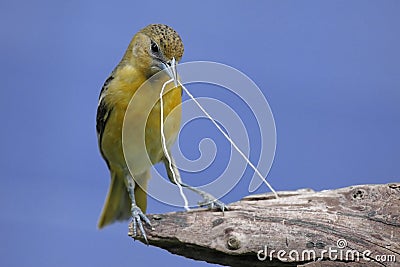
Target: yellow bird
x=155, y=48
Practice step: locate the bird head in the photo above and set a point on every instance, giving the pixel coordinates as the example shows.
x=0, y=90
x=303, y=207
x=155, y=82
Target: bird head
x=155, y=48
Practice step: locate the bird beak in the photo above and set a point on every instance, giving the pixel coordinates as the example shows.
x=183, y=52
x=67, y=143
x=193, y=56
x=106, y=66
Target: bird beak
x=170, y=68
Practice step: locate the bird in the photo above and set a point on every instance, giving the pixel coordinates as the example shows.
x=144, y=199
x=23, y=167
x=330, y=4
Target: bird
x=155, y=49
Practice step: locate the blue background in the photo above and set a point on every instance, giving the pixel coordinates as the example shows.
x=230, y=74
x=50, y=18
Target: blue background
x=329, y=69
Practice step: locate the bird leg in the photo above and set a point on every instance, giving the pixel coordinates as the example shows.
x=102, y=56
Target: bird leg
x=208, y=200
x=137, y=215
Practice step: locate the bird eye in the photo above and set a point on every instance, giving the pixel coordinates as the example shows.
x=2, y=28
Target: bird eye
x=154, y=47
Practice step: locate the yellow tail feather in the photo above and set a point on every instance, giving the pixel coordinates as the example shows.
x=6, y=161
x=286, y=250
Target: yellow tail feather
x=118, y=204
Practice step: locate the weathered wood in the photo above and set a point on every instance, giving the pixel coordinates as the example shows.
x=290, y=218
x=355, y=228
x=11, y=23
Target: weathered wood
x=347, y=221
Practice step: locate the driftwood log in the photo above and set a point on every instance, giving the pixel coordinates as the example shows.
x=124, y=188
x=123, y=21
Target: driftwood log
x=352, y=226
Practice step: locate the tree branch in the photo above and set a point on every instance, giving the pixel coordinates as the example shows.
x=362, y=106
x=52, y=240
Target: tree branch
x=349, y=222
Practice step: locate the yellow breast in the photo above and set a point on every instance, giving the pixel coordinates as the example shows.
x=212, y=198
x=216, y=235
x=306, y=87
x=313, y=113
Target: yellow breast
x=133, y=132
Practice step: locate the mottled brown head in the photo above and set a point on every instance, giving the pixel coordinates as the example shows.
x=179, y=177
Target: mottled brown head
x=154, y=48
x=167, y=39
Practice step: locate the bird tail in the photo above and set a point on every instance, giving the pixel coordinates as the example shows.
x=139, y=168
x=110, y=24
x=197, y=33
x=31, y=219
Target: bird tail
x=118, y=204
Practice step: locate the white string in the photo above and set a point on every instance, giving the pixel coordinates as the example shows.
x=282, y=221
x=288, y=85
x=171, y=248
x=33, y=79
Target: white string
x=164, y=145
x=230, y=140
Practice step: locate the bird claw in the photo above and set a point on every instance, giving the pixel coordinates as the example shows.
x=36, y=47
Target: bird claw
x=211, y=202
x=137, y=217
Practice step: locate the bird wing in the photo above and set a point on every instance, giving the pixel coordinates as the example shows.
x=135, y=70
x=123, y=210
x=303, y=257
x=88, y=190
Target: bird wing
x=103, y=113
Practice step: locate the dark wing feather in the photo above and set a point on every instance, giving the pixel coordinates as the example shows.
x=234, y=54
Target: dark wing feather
x=103, y=113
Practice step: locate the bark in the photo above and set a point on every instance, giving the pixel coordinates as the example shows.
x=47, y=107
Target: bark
x=351, y=226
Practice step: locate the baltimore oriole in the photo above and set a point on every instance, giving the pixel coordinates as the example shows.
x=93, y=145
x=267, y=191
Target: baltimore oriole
x=154, y=48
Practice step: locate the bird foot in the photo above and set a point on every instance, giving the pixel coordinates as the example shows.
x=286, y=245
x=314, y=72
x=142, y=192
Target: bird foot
x=137, y=217
x=211, y=202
